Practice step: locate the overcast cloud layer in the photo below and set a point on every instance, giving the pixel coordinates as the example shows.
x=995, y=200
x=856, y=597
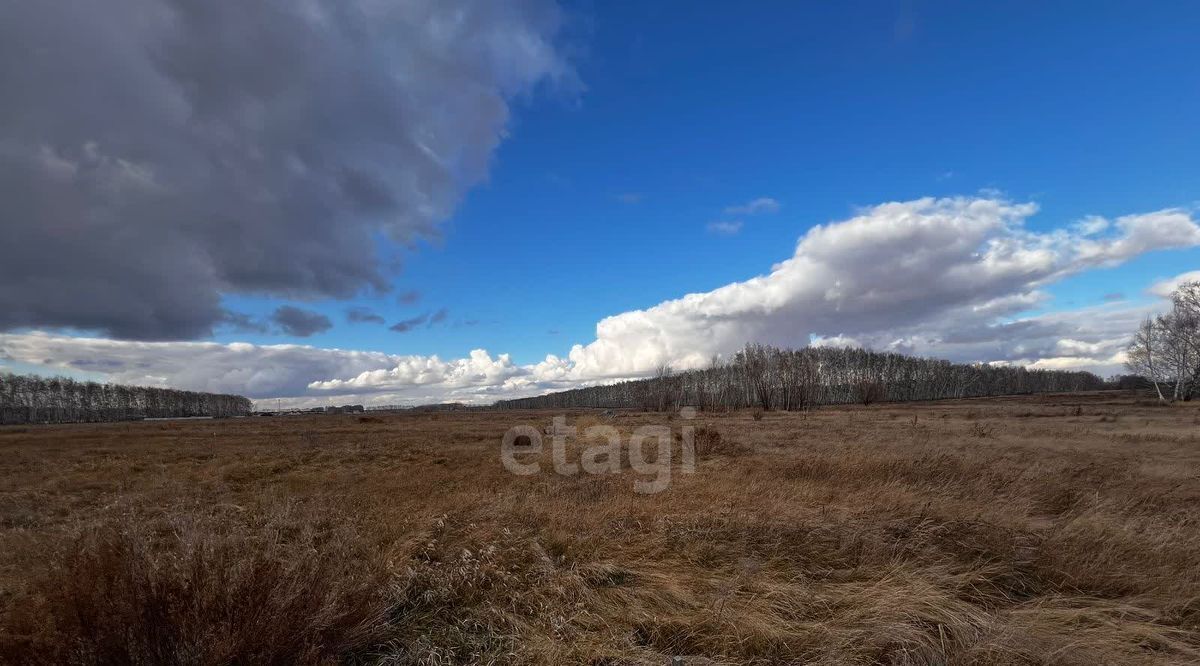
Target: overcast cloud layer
x=938, y=277
x=157, y=153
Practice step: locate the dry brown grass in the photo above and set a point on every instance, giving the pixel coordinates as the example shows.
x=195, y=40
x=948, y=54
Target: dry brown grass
x=1052, y=530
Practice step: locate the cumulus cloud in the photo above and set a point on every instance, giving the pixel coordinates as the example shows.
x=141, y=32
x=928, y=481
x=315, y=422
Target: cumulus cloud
x=155, y=154
x=479, y=369
x=951, y=278
x=300, y=323
x=757, y=206
x=1136, y=234
x=941, y=276
x=1164, y=288
x=408, y=297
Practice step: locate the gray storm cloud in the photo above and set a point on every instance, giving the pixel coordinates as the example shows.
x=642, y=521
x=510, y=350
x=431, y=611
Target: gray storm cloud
x=155, y=154
x=299, y=322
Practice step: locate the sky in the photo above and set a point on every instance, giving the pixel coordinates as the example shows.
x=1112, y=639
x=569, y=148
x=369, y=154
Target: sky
x=423, y=201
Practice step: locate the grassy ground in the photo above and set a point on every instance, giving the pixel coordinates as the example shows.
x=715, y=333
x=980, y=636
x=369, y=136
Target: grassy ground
x=1048, y=530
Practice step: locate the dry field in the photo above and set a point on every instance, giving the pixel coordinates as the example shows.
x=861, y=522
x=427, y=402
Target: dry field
x=1049, y=530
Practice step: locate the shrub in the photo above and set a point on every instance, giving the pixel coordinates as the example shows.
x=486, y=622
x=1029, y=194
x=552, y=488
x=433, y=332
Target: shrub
x=982, y=430
x=202, y=595
x=708, y=442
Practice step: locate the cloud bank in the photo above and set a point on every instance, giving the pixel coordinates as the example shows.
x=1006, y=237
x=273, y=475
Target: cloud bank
x=155, y=154
x=940, y=277
x=931, y=276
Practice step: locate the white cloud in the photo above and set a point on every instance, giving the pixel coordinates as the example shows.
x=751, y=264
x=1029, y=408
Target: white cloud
x=939, y=277
x=1113, y=363
x=1164, y=288
x=254, y=370
x=725, y=228
x=757, y=206
x=479, y=369
x=924, y=276
x=1072, y=347
x=1091, y=225
x=298, y=371
x=1137, y=234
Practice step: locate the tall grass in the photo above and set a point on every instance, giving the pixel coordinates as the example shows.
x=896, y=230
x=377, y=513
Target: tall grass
x=877, y=535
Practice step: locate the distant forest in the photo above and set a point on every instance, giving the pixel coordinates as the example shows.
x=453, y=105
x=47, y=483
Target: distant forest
x=770, y=378
x=33, y=399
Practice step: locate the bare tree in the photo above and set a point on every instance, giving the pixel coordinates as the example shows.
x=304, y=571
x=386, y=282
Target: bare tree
x=1166, y=349
x=33, y=399
x=664, y=388
x=1141, y=356
x=1186, y=308
x=771, y=378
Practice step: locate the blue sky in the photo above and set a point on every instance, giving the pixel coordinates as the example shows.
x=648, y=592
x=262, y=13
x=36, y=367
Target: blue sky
x=615, y=165
x=1084, y=108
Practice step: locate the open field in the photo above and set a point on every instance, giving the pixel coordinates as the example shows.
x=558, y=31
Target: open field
x=1033, y=530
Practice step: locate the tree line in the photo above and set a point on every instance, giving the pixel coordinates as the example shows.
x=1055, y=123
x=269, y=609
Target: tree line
x=1166, y=349
x=769, y=378
x=34, y=399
